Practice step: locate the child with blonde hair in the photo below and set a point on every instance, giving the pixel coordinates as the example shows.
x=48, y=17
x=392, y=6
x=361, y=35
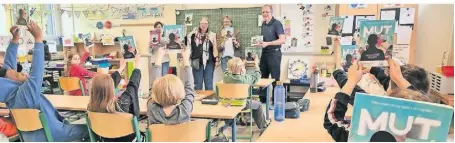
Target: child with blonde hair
x=236, y=74
x=172, y=100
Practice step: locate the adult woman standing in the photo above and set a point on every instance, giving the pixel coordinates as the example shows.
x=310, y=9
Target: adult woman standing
x=228, y=46
x=153, y=48
x=204, y=55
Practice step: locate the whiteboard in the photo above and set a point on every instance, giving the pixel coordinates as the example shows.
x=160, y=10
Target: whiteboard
x=308, y=27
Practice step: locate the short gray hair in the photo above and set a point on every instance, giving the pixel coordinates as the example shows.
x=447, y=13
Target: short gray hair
x=270, y=6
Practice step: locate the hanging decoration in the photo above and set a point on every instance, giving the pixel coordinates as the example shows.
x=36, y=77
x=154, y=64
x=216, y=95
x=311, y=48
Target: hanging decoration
x=70, y=13
x=108, y=24
x=62, y=11
x=77, y=14
x=85, y=13
x=99, y=25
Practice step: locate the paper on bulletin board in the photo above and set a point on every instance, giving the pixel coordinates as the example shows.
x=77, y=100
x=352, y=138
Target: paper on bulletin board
x=347, y=40
x=287, y=27
x=388, y=14
x=407, y=15
x=401, y=52
x=348, y=24
x=404, y=34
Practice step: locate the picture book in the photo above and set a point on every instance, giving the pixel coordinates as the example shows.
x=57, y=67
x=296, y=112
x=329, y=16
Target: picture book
x=376, y=39
x=335, y=26
x=230, y=32
x=173, y=35
x=22, y=16
x=255, y=40
x=397, y=119
x=87, y=39
x=250, y=53
x=128, y=46
x=68, y=41
x=155, y=37
x=348, y=55
x=108, y=40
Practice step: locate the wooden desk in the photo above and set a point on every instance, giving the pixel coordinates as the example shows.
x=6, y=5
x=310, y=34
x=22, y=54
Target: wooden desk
x=201, y=94
x=218, y=111
x=309, y=127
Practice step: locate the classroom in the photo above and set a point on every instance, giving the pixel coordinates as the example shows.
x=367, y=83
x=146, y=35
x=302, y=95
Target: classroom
x=226, y=72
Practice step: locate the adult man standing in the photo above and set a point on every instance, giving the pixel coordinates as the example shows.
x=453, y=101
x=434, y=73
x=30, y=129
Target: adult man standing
x=273, y=36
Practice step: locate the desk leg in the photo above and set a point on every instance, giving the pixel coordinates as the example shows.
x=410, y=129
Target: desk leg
x=267, y=103
x=234, y=128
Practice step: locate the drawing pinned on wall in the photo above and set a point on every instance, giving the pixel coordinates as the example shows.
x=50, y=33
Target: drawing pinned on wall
x=189, y=19
x=327, y=11
x=287, y=27
x=297, y=68
x=376, y=39
x=348, y=24
x=401, y=52
x=407, y=15
x=357, y=6
x=335, y=26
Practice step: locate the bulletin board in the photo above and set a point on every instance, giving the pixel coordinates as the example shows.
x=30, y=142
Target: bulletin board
x=375, y=9
x=308, y=25
x=245, y=21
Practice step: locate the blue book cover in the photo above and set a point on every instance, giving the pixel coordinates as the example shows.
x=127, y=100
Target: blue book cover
x=376, y=37
x=128, y=46
x=335, y=25
x=178, y=30
x=348, y=55
x=400, y=119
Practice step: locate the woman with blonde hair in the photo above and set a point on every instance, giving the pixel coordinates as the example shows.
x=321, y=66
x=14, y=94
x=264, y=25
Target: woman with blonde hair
x=104, y=99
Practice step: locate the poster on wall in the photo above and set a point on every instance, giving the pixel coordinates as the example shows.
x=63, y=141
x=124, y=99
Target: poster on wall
x=335, y=26
x=156, y=12
x=108, y=40
x=189, y=19
x=348, y=54
x=401, y=52
x=376, y=39
x=297, y=68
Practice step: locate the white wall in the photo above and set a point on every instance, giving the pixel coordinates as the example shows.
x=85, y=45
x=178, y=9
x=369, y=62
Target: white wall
x=434, y=34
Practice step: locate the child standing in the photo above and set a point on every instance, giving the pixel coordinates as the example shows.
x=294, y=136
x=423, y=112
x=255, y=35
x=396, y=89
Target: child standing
x=75, y=69
x=236, y=74
x=20, y=92
x=172, y=100
x=104, y=100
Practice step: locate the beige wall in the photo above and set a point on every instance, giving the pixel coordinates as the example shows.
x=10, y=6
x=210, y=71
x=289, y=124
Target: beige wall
x=434, y=35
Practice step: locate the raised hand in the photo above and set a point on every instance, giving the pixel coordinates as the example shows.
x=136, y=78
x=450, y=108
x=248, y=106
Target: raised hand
x=395, y=74
x=35, y=30
x=16, y=34
x=355, y=72
x=186, y=57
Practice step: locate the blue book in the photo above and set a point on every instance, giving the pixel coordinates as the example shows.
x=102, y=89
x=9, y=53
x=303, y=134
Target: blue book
x=400, y=119
x=128, y=46
x=380, y=33
x=173, y=34
x=348, y=55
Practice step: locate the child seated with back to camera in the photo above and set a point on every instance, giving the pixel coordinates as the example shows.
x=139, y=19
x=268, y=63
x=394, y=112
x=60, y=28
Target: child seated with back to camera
x=172, y=99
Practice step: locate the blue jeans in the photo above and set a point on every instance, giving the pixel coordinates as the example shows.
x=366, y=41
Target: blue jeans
x=224, y=61
x=164, y=68
x=204, y=75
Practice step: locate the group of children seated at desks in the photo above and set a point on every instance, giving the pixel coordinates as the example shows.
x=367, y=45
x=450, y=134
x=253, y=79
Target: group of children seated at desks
x=171, y=100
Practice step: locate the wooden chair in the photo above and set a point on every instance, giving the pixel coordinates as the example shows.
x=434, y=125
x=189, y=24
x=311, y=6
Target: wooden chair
x=193, y=131
x=238, y=91
x=27, y=120
x=71, y=84
x=112, y=125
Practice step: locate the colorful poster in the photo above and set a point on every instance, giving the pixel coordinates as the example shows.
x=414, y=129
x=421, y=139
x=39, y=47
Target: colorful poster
x=156, y=12
x=376, y=39
x=287, y=27
x=335, y=25
x=348, y=55
x=143, y=12
x=189, y=19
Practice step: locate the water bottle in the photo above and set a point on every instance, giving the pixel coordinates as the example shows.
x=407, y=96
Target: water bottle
x=279, y=101
x=314, y=80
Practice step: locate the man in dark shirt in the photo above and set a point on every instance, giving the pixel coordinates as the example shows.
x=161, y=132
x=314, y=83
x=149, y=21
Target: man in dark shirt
x=273, y=36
